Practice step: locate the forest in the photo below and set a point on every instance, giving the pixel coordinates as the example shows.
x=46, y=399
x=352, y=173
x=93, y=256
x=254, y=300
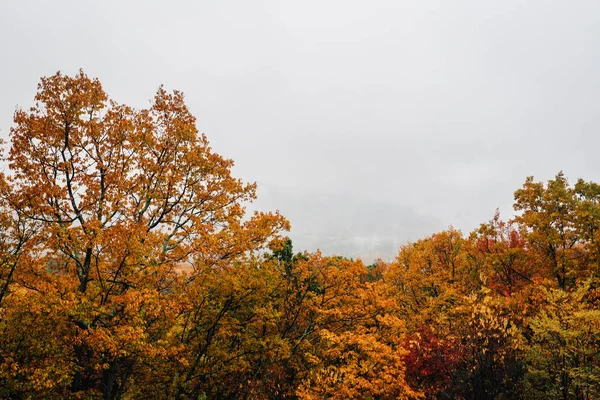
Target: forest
x=130, y=269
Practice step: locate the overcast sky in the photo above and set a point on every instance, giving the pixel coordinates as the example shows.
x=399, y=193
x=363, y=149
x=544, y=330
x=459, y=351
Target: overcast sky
x=366, y=123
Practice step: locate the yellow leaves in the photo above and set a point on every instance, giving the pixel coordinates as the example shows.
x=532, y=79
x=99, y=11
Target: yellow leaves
x=563, y=343
x=358, y=352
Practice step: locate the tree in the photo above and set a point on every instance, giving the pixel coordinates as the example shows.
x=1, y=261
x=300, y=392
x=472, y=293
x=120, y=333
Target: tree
x=562, y=358
x=349, y=336
x=131, y=206
x=547, y=214
x=507, y=267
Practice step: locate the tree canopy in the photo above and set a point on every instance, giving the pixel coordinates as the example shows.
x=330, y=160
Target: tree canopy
x=130, y=269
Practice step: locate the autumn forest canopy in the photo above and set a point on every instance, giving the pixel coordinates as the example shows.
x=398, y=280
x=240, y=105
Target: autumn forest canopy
x=130, y=269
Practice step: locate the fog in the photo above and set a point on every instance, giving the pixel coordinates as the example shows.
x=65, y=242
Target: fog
x=367, y=124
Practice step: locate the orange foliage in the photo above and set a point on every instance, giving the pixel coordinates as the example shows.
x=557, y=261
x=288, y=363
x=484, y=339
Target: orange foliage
x=130, y=269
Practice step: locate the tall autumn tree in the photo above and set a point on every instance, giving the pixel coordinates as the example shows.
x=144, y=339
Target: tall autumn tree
x=124, y=200
x=547, y=212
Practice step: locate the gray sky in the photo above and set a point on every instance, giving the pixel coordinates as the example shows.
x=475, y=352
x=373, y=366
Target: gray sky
x=366, y=123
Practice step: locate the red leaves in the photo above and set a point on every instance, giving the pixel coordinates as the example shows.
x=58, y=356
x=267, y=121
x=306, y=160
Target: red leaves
x=432, y=357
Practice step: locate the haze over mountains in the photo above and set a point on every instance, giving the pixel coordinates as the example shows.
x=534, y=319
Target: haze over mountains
x=367, y=125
